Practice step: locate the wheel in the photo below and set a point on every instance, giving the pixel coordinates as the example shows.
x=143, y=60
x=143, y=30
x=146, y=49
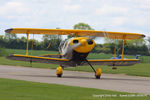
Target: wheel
x=98, y=73
x=97, y=77
x=59, y=75
x=59, y=71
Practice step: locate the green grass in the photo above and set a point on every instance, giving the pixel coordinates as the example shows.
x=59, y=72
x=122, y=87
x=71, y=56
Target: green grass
x=25, y=90
x=142, y=69
x=34, y=52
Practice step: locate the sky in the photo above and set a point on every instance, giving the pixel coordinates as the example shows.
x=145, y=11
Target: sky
x=105, y=15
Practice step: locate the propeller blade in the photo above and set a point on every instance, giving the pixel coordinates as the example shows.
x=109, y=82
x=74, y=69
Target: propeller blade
x=76, y=45
x=70, y=49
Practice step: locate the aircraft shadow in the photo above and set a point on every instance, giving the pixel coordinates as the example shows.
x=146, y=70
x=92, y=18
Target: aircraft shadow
x=83, y=77
x=54, y=76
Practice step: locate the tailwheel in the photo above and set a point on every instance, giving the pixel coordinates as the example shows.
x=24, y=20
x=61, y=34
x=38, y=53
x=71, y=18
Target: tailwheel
x=59, y=71
x=98, y=73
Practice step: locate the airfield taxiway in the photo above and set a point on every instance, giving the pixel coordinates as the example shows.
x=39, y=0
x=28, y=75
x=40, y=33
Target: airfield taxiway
x=115, y=82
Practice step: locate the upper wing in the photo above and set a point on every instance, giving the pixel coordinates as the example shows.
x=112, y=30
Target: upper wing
x=108, y=34
x=114, y=62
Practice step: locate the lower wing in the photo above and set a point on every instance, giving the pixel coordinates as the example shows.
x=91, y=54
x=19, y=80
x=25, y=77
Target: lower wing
x=40, y=59
x=55, y=59
x=114, y=62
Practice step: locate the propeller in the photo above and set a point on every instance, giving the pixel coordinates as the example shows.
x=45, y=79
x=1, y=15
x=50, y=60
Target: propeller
x=70, y=48
x=91, y=38
x=75, y=45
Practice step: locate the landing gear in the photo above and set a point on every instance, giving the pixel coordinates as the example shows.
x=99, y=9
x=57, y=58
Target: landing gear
x=59, y=71
x=98, y=71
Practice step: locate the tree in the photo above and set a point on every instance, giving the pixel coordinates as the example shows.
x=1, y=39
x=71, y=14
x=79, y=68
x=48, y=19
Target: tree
x=2, y=41
x=51, y=42
x=148, y=39
x=138, y=42
x=132, y=47
x=9, y=36
x=82, y=26
x=101, y=49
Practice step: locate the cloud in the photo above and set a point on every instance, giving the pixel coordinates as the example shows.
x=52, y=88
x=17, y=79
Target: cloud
x=13, y=8
x=72, y=8
x=114, y=15
x=109, y=9
x=118, y=21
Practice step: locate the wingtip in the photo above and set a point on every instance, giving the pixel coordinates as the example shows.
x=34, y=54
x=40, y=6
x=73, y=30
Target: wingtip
x=9, y=30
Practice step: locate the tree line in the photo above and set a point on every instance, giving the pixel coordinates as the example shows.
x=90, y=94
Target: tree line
x=48, y=42
x=51, y=42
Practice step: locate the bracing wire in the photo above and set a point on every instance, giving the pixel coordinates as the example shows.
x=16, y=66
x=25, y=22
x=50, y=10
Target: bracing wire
x=48, y=45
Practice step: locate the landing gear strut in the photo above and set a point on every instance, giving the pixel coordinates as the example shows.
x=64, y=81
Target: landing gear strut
x=59, y=71
x=98, y=71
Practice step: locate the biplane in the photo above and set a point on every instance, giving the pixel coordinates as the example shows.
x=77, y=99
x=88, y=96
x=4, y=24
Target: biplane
x=74, y=51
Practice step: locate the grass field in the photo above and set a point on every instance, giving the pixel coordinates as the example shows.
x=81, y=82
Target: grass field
x=25, y=90
x=142, y=69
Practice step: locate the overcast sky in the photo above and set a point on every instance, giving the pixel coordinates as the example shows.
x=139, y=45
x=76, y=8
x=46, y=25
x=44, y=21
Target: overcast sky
x=107, y=15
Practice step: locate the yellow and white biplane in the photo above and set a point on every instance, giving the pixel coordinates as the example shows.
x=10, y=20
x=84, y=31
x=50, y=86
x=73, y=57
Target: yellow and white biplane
x=74, y=51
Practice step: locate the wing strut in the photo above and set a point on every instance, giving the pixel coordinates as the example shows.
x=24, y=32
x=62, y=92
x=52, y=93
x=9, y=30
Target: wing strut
x=123, y=49
x=32, y=44
x=27, y=43
x=115, y=49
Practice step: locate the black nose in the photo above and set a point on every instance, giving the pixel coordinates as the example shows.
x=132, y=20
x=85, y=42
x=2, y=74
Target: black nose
x=90, y=42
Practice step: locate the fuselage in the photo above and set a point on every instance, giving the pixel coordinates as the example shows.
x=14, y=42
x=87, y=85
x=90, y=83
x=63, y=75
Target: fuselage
x=76, y=49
